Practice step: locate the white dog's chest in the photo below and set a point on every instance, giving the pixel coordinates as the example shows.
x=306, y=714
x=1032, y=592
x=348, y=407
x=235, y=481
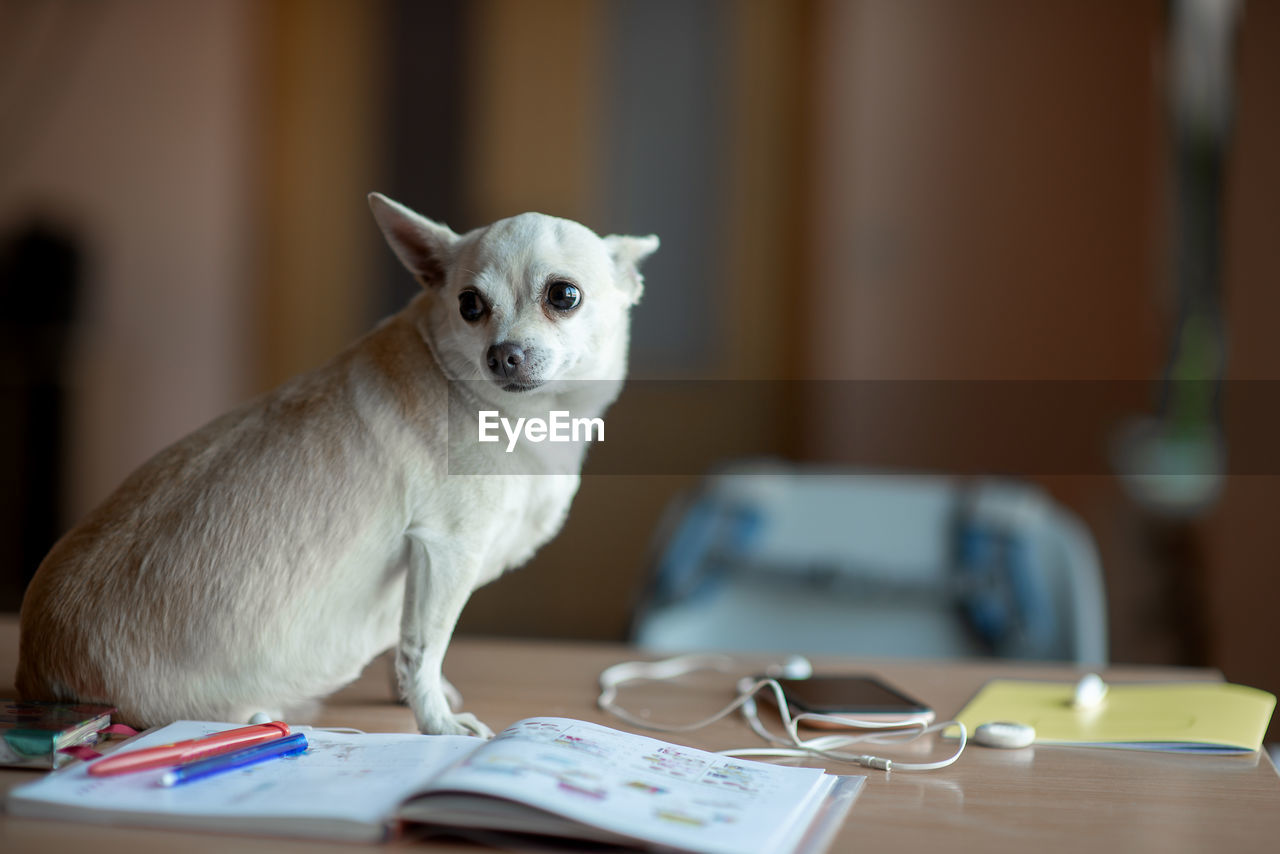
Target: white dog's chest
x=533, y=508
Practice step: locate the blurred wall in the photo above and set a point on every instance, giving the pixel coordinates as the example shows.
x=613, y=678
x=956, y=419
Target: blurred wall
x=126, y=124
x=319, y=123
x=988, y=188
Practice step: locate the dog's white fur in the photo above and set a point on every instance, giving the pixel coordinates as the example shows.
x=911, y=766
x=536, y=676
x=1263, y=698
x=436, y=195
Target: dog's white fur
x=261, y=562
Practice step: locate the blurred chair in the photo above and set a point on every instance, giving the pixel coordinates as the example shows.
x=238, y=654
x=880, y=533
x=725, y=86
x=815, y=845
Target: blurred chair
x=768, y=557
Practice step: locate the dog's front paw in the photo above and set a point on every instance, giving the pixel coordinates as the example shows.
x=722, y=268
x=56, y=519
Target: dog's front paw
x=460, y=723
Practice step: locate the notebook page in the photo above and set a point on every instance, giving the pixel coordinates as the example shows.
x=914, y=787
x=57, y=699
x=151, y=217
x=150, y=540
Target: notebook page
x=357, y=778
x=643, y=787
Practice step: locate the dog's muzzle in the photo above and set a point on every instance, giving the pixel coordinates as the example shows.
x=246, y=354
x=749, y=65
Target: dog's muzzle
x=505, y=360
x=509, y=367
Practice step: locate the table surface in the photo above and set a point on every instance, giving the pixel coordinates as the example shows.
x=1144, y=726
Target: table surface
x=1039, y=799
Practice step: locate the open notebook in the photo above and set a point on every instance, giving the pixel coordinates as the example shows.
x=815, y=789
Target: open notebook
x=1189, y=717
x=549, y=776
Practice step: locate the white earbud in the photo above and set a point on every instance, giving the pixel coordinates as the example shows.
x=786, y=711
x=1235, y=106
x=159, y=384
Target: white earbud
x=795, y=667
x=1090, y=692
x=1006, y=734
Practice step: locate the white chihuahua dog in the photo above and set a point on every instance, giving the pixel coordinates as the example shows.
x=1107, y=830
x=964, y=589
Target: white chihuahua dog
x=260, y=563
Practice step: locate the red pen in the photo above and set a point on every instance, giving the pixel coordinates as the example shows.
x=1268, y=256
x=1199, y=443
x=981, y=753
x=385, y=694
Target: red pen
x=190, y=750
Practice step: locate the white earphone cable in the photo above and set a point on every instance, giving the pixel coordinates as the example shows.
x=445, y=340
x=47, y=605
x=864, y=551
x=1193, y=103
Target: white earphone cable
x=670, y=668
x=826, y=746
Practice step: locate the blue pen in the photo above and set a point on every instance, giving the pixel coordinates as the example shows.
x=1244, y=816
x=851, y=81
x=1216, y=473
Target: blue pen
x=287, y=746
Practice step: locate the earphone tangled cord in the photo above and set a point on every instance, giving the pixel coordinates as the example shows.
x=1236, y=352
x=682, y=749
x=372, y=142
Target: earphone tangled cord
x=825, y=746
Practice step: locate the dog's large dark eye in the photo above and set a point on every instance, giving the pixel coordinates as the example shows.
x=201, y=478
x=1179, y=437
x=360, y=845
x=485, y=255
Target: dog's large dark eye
x=470, y=306
x=563, y=296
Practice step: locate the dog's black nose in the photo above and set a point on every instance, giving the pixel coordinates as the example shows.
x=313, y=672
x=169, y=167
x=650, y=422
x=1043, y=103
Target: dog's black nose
x=505, y=359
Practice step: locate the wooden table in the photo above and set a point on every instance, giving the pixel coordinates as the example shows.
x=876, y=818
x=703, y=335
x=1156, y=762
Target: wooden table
x=1038, y=800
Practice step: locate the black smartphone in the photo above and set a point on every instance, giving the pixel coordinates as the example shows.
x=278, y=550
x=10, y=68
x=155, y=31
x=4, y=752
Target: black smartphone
x=860, y=697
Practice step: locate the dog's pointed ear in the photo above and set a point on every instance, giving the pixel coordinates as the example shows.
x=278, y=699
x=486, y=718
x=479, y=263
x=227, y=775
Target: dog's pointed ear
x=424, y=247
x=627, y=253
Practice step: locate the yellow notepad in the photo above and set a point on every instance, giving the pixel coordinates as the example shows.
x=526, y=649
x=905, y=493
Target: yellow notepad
x=1199, y=717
